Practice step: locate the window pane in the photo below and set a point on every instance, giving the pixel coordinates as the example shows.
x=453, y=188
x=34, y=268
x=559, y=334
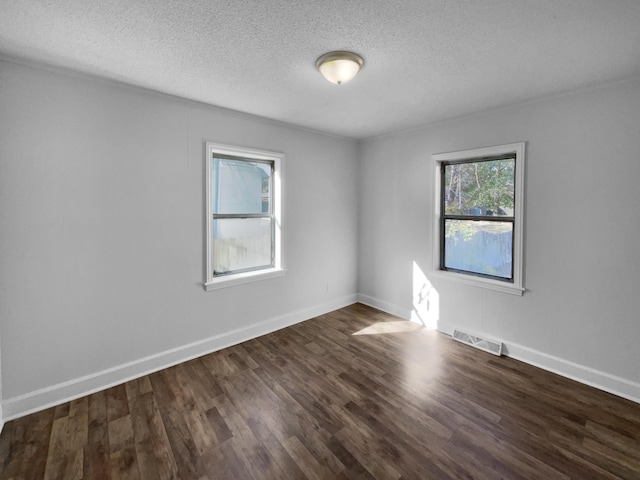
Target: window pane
x=241, y=243
x=479, y=247
x=240, y=186
x=480, y=188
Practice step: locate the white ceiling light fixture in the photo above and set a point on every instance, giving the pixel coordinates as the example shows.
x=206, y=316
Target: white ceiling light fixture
x=339, y=67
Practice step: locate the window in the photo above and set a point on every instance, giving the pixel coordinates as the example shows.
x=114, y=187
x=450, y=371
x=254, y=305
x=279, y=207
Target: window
x=479, y=216
x=244, y=215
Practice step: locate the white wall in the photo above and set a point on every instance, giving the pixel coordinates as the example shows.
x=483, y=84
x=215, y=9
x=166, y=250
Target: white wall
x=102, y=233
x=580, y=313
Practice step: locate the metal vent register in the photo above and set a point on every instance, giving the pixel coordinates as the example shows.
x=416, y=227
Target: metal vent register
x=490, y=346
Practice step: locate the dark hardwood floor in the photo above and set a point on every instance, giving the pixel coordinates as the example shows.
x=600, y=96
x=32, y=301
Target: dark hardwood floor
x=352, y=394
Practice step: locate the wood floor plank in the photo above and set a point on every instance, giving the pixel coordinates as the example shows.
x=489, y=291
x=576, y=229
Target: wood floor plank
x=203, y=385
x=155, y=456
x=353, y=468
x=308, y=464
x=97, y=464
x=97, y=421
x=136, y=388
x=275, y=448
x=65, y=466
x=257, y=403
x=352, y=394
x=396, y=447
x=250, y=450
x=514, y=462
x=33, y=431
x=629, y=447
x=366, y=448
x=124, y=464
x=173, y=418
x=311, y=430
x=117, y=403
x=220, y=428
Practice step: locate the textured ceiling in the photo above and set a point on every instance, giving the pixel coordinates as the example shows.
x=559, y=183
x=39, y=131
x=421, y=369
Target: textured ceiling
x=425, y=60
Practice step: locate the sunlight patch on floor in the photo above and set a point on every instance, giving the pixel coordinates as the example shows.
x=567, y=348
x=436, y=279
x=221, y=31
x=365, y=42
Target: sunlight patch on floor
x=390, y=327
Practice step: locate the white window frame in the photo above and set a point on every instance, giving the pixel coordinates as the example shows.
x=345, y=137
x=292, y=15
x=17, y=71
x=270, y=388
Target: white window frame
x=516, y=287
x=213, y=282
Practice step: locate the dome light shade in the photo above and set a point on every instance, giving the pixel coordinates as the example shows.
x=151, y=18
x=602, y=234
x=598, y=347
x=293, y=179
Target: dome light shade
x=339, y=67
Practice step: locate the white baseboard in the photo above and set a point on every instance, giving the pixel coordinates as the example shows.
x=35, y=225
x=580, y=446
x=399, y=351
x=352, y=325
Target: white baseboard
x=21, y=405
x=594, y=378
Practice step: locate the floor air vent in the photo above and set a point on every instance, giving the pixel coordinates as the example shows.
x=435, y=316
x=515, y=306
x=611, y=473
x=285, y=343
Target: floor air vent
x=490, y=346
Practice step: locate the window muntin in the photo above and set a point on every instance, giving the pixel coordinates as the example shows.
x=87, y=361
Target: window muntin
x=243, y=215
x=477, y=201
x=485, y=213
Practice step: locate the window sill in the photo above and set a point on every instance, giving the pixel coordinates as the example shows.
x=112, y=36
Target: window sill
x=241, y=278
x=487, y=283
